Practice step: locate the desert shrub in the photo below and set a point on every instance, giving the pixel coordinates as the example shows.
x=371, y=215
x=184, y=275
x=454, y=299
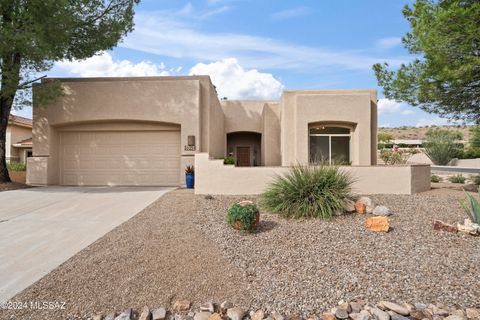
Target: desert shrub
x=475, y=137
x=457, y=179
x=243, y=215
x=392, y=156
x=16, y=166
x=384, y=139
x=441, y=145
x=472, y=207
x=308, y=191
x=476, y=179
x=229, y=160
x=470, y=153
x=435, y=178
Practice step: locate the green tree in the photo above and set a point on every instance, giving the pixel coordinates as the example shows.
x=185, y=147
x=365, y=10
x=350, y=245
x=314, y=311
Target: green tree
x=36, y=33
x=474, y=140
x=442, y=145
x=444, y=78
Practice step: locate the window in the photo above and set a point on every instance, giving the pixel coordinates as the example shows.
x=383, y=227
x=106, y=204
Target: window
x=329, y=144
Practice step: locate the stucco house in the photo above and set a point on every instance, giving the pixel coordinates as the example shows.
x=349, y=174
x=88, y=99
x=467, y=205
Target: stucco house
x=145, y=130
x=18, y=139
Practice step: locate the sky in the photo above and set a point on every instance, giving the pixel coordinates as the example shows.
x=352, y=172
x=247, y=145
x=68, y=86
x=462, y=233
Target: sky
x=255, y=49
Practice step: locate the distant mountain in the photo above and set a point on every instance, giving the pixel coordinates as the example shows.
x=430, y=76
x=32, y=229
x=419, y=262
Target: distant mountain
x=414, y=133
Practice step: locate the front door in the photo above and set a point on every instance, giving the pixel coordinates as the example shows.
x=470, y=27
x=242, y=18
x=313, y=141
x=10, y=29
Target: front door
x=243, y=156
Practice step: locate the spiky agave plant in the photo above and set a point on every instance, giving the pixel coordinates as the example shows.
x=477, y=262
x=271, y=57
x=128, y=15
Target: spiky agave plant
x=308, y=191
x=472, y=207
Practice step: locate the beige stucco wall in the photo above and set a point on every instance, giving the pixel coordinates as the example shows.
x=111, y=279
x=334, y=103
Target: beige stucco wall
x=356, y=108
x=212, y=177
x=183, y=101
x=271, y=150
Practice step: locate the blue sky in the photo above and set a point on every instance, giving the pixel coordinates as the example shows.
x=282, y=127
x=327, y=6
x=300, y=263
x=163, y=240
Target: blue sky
x=255, y=49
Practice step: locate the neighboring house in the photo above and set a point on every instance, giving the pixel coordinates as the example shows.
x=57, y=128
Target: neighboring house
x=144, y=131
x=18, y=139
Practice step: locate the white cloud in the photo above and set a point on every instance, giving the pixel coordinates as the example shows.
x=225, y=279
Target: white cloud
x=234, y=82
x=386, y=106
x=103, y=65
x=291, y=13
x=388, y=43
x=168, y=33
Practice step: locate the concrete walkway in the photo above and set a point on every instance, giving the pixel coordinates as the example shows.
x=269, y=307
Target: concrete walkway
x=40, y=228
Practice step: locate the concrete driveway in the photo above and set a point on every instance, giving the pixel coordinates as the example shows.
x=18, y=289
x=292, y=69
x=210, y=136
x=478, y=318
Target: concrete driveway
x=42, y=227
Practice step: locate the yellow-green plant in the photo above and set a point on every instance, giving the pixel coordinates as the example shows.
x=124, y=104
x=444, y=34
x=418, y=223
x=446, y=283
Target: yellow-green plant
x=472, y=207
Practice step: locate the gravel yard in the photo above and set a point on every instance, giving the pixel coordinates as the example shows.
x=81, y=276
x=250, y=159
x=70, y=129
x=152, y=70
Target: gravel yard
x=156, y=257
x=304, y=266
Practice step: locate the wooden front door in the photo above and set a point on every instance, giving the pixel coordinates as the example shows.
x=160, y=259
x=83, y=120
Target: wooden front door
x=243, y=156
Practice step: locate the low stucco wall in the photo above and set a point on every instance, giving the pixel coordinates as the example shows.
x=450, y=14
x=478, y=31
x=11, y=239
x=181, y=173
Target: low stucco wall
x=213, y=177
x=467, y=163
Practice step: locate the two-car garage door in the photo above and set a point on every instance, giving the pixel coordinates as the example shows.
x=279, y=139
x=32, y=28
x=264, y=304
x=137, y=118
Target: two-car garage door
x=120, y=158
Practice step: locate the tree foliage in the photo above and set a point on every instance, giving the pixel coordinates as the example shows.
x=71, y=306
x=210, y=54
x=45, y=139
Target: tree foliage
x=36, y=33
x=475, y=137
x=444, y=77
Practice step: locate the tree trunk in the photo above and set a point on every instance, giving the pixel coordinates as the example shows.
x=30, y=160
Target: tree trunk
x=5, y=107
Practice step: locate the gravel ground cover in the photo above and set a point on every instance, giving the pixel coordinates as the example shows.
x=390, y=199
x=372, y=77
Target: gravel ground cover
x=307, y=266
x=12, y=186
x=156, y=257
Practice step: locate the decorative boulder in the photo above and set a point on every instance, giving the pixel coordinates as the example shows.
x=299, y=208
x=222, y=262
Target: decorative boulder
x=360, y=207
x=378, y=224
x=469, y=227
x=442, y=226
x=368, y=204
x=349, y=205
x=381, y=211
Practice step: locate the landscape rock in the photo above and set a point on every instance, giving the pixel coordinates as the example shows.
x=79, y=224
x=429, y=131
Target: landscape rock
x=443, y=226
x=125, y=315
x=396, y=316
x=181, y=305
x=146, y=314
x=110, y=316
x=419, y=306
x=327, y=316
x=215, y=316
x=368, y=204
x=379, y=314
x=207, y=307
x=360, y=207
x=97, y=317
x=359, y=316
x=258, y=315
x=236, y=313
x=277, y=315
x=469, y=227
x=345, y=306
x=455, y=317
x=159, y=314
x=472, y=313
x=349, y=205
x=355, y=307
x=225, y=305
x=381, y=211
x=202, y=315
x=377, y=224
x=395, y=308
x=419, y=314
x=341, y=313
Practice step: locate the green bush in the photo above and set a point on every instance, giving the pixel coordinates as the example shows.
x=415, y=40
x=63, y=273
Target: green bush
x=16, y=166
x=308, y=191
x=441, y=145
x=472, y=207
x=470, y=153
x=229, y=160
x=435, y=178
x=244, y=214
x=475, y=137
x=457, y=179
x=476, y=180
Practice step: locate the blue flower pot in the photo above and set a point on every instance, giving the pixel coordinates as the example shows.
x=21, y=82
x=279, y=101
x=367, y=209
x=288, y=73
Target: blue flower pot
x=190, y=180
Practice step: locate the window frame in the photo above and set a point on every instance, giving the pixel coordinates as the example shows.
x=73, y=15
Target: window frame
x=330, y=135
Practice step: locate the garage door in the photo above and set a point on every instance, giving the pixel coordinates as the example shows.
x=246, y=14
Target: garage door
x=120, y=158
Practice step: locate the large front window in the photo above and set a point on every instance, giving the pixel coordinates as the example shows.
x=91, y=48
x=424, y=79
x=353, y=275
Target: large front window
x=329, y=144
